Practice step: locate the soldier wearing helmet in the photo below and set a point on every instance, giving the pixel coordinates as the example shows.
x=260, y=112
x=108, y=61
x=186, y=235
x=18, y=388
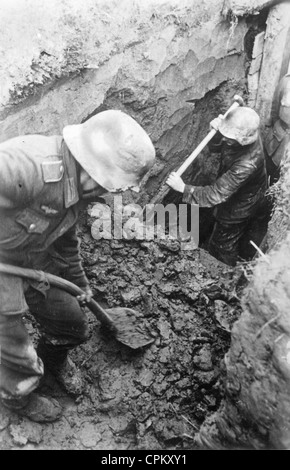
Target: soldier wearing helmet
x=45, y=182
x=238, y=193
x=278, y=135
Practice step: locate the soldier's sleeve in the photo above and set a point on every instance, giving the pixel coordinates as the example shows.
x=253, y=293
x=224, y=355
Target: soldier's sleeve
x=68, y=246
x=224, y=187
x=18, y=182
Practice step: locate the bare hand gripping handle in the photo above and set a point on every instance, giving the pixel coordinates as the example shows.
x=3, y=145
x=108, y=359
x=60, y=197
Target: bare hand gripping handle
x=51, y=279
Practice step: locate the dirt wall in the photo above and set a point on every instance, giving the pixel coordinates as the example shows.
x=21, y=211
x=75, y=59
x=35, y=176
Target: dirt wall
x=173, y=66
x=255, y=412
x=146, y=58
x=245, y=7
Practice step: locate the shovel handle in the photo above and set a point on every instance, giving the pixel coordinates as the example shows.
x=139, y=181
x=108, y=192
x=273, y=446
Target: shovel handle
x=56, y=281
x=164, y=190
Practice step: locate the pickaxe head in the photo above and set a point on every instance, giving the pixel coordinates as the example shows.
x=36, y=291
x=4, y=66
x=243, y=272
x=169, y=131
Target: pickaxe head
x=239, y=100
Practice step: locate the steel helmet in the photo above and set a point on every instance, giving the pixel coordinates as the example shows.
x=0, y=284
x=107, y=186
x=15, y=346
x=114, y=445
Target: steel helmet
x=112, y=148
x=241, y=124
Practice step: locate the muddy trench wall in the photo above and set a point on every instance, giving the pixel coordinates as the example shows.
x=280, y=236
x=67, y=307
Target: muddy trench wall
x=146, y=58
x=255, y=411
x=174, y=66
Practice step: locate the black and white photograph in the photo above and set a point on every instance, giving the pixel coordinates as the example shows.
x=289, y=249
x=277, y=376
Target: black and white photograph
x=144, y=228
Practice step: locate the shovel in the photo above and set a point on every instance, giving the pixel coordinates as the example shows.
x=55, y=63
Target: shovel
x=164, y=190
x=124, y=323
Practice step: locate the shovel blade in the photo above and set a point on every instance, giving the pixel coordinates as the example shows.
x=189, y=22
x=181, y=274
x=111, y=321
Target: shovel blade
x=129, y=329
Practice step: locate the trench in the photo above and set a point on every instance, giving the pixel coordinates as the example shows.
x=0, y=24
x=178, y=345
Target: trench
x=156, y=397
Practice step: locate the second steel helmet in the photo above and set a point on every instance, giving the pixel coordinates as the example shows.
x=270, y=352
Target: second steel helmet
x=112, y=148
x=241, y=124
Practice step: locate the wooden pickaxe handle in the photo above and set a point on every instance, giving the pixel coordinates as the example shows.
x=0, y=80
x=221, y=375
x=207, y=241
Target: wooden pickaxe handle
x=164, y=190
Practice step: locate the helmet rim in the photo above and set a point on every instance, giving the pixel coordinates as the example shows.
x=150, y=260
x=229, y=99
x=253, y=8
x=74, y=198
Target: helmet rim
x=104, y=163
x=241, y=124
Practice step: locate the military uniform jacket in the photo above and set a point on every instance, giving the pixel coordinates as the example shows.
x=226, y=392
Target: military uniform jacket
x=39, y=206
x=240, y=186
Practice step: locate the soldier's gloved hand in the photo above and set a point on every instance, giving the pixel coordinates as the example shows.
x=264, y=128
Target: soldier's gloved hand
x=86, y=297
x=175, y=182
x=215, y=123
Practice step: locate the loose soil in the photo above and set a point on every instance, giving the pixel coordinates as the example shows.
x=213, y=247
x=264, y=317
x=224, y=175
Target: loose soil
x=156, y=397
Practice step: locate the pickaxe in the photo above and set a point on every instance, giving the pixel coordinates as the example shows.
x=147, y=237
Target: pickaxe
x=164, y=190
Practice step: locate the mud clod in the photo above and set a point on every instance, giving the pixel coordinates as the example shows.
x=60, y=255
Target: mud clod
x=137, y=398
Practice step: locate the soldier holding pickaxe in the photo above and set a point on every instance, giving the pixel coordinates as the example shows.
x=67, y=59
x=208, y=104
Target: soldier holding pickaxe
x=238, y=194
